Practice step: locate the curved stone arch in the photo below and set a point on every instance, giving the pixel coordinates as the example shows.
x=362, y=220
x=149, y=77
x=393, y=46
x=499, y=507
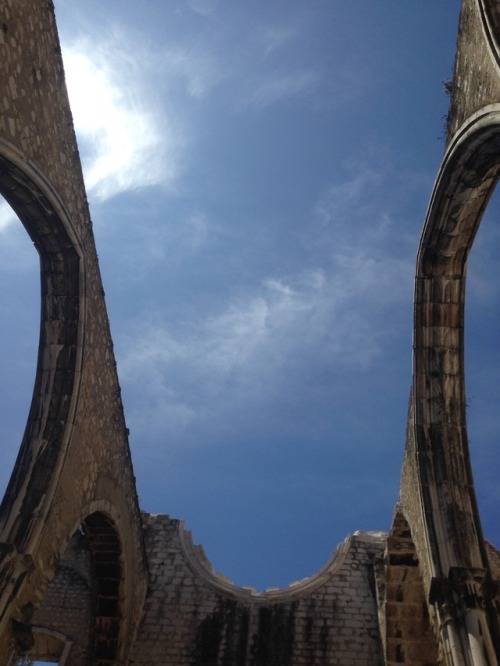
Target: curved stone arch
x=57, y=381
x=57, y=639
x=464, y=185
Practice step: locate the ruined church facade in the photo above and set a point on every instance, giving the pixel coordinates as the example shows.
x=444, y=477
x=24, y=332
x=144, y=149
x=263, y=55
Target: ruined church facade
x=87, y=579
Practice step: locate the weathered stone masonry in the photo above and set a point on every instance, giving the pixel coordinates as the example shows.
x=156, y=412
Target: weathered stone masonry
x=192, y=616
x=74, y=460
x=86, y=579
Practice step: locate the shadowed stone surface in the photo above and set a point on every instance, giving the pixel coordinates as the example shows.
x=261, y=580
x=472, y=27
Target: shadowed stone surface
x=86, y=579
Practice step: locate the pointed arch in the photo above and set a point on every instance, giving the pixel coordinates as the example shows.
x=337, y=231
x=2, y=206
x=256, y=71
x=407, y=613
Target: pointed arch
x=55, y=394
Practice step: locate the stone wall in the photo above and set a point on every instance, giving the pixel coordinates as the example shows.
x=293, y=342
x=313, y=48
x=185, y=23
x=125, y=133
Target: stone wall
x=192, y=616
x=426, y=594
x=406, y=629
x=475, y=77
x=74, y=460
x=67, y=606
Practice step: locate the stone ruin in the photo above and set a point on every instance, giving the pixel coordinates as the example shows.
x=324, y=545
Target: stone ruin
x=86, y=578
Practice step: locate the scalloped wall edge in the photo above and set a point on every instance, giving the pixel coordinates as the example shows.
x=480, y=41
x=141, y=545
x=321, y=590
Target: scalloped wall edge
x=200, y=565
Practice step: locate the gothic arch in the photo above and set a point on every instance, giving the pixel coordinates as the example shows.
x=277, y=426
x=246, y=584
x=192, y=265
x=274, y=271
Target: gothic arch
x=464, y=185
x=445, y=523
x=105, y=529
x=74, y=458
x=85, y=603
x=107, y=579
x=55, y=394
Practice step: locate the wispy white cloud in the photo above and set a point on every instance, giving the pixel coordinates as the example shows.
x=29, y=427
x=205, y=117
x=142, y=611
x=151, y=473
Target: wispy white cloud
x=272, y=89
x=203, y=7
x=348, y=197
x=181, y=237
x=335, y=316
x=150, y=242
x=196, y=66
x=136, y=112
x=125, y=143
x=247, y=342
x=206, y=65
x=274, y=38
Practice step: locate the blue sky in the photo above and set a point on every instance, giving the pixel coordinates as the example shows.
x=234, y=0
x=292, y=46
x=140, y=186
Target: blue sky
x=258, y=175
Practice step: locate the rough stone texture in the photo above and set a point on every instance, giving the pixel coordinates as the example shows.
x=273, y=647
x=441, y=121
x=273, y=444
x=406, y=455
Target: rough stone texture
x=475, y=78
x=67, y=605
x=437, y=495
x=74, y=459
x=85, y=580
x=407, y=633
x=192, y=616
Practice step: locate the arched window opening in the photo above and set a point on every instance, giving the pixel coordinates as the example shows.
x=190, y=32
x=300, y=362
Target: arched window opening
x=66, y=610
x=482, y=366
x=106, y=566
x=19, y=333
x=79, y=617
